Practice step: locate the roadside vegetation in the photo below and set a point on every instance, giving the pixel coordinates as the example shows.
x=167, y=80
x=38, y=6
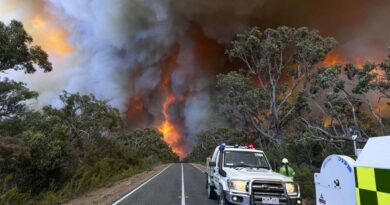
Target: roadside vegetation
x=57, y=153
x=285, y=99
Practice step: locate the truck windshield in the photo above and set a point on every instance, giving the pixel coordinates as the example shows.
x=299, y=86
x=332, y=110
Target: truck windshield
x=245, y=159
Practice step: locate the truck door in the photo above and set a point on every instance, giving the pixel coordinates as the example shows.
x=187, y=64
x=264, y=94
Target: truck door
x=216, y=171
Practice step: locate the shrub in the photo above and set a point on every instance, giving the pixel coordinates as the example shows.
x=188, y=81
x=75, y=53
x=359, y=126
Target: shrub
x=13, y=196
x=305, y=177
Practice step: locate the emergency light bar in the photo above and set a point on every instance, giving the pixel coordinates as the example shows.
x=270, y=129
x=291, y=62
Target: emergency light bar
x=223, y=146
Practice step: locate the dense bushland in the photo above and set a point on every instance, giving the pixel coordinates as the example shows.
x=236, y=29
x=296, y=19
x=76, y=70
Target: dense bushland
x=57, y=153
x=289, y=103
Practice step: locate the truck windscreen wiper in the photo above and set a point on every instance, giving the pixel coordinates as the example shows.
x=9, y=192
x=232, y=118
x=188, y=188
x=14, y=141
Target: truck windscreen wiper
x=257, y=167
x=262, y=167
x=245, y=165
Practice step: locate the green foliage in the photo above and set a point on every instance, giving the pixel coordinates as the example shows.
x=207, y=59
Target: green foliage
x=305, y=147
x=13, y=196
x=14, y=154
x=346, y=101
x=85, y=116
x=310, y=46
x=208, y=140
x=304, y=175
x=46, y=157
x=363, y=76
x=46, y=151
x=12, y=97
x=150, y=143
x=96, y=175
x=59, y=153
x=50, y=198
x=271, y=57
x=296, y=107
x=373, y=76
x=328, y=78
x=49, y=156
x=16, y=52
x=239, y=100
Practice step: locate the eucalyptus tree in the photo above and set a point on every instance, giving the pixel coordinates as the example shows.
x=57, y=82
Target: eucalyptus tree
x=279, y=63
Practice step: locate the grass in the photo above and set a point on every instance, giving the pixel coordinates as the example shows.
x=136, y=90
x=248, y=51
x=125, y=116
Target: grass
x=87, y=178
x=92, y=177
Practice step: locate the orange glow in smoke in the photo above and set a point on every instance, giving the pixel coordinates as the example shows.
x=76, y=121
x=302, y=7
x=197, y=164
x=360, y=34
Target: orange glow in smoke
x=41, y=25
x=332, y=58
x=327, y=121
x=136, y=105
x=335, y=58
x=380, y=106
x=167, y=127
x=54, y=38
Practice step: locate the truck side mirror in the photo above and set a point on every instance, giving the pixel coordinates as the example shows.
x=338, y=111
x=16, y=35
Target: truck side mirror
x=212, y=164
x=222, y=172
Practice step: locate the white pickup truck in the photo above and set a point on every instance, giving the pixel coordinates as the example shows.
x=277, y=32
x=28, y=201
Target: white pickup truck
x=243, y=175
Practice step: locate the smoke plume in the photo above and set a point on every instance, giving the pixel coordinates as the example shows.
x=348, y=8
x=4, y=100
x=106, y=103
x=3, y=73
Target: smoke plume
x=144, y=54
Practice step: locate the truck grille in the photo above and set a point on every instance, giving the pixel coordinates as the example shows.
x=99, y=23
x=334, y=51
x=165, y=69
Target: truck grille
x=262, y=189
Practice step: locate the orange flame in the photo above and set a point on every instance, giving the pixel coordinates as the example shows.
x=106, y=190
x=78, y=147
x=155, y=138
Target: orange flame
x=327, y=121
x=332, y=58
x=335, y=58
x=380, y=106
x=167, y=127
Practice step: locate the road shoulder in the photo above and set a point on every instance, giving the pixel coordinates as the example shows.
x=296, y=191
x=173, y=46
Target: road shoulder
x=199, y=166
x=108, y=195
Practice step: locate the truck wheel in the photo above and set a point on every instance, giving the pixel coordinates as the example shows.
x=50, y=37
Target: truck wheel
x=211, y=192
x=207, y=181
x=222, y=199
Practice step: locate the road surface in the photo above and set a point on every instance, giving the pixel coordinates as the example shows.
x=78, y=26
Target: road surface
x=178, y=184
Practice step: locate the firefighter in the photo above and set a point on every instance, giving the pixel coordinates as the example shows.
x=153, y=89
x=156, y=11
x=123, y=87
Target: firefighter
x=286, y=170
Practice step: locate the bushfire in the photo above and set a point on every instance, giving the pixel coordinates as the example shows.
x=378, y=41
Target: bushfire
x=132, y=61
x=167, y=127
x=336, y=58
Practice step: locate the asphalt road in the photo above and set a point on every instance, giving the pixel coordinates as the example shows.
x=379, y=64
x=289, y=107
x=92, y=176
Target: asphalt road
x=178, y=184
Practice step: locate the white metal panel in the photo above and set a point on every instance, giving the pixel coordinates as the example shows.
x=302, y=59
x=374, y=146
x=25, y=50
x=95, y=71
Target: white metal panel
x=375, y=154
x=335, y=184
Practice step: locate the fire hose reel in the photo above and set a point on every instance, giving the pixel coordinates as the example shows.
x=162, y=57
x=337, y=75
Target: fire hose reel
x=344, y=181
x=335, y=184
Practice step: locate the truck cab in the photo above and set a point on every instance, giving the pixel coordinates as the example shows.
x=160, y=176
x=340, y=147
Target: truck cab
x=243, y=175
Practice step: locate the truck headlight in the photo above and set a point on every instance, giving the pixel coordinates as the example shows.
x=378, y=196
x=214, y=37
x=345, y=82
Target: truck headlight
x=239, y=185
x=292, y=188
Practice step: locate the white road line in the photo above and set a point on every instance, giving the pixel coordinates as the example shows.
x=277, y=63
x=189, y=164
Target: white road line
x=203, y=171
x=183, y=196
x=134, y=190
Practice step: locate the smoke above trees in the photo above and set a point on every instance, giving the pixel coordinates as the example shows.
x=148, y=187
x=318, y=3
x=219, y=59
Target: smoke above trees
x=123, y=50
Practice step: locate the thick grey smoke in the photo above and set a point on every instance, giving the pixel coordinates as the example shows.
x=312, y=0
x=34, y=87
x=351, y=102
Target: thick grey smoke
x=116, y=39
x=121, y=47
x=120, y=44
x=112, y=40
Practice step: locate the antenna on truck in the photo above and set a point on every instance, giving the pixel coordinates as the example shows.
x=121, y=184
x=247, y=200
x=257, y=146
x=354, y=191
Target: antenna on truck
x=354, y=133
